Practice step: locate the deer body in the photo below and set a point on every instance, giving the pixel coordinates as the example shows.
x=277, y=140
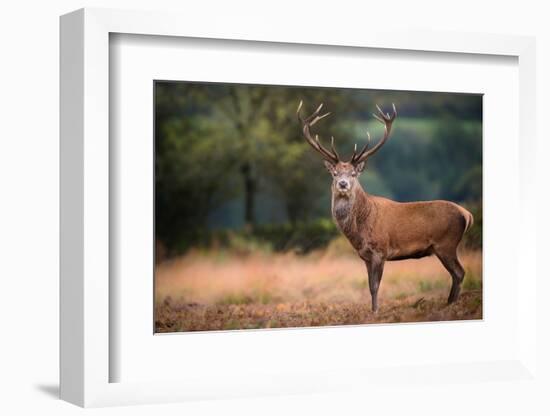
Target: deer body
x=396, y=230
x=380, y=229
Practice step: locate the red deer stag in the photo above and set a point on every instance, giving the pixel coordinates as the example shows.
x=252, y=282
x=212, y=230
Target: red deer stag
x=380, y=229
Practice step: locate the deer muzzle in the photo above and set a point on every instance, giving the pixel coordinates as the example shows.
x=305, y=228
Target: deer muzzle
x=343, y=185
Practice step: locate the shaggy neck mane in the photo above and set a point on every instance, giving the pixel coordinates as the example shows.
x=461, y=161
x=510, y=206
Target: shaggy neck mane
x=351, y=211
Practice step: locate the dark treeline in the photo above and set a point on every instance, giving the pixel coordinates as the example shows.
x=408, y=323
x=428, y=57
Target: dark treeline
x=231, y=156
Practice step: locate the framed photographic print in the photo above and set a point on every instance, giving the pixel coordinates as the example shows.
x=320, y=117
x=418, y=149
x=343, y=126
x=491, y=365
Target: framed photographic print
x=223, y=236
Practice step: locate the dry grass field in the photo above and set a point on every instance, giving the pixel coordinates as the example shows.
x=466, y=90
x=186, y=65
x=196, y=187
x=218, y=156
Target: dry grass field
x=223, y=290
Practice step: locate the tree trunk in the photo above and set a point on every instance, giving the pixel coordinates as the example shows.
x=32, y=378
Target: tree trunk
x=249, y=194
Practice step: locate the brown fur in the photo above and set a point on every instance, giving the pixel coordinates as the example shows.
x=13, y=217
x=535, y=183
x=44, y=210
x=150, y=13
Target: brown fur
x=381, y=229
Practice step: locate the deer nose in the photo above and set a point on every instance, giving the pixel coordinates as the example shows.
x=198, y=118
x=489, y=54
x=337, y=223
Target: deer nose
x=342, y=184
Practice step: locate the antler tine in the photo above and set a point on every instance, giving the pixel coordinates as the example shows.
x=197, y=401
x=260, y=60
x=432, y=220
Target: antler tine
x=334, y=148
x=314, y=114
x=357, y=156
x=385, y=119
x=299, y=108
x=314, y=142
x=380, y=119
x=354, y=153
x=332, y=157
x=316, y=119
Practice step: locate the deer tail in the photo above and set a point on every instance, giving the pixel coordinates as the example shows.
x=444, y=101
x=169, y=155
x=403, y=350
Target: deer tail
x=469, y=218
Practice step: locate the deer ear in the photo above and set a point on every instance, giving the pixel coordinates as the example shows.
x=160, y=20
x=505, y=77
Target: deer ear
x=330, y=166
x=360, y=167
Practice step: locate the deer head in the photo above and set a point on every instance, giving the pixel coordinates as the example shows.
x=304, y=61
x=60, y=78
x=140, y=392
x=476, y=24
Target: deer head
x=344, y=174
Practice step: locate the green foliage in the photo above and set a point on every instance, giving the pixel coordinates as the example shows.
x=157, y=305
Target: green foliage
x=429, y=285
x=431, y=159
x=243, y=242
x=236, y=299
x=190, y=176
x=300, y=237
x=471, y=283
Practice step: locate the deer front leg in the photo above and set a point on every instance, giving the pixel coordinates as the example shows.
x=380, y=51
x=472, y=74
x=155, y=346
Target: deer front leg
x=375, y=268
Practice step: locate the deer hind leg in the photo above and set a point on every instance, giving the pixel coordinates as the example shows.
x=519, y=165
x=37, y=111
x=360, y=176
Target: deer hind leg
x=375, y=268
x=452, y=264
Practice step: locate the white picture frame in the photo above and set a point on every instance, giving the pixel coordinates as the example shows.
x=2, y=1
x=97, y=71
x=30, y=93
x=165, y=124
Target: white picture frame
x=85, y=168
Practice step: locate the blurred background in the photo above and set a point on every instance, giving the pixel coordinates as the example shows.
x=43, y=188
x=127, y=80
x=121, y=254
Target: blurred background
x=232, y=167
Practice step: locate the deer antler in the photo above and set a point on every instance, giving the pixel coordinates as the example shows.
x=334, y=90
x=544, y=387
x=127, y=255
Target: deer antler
x=387, y=120
x=307, y=123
